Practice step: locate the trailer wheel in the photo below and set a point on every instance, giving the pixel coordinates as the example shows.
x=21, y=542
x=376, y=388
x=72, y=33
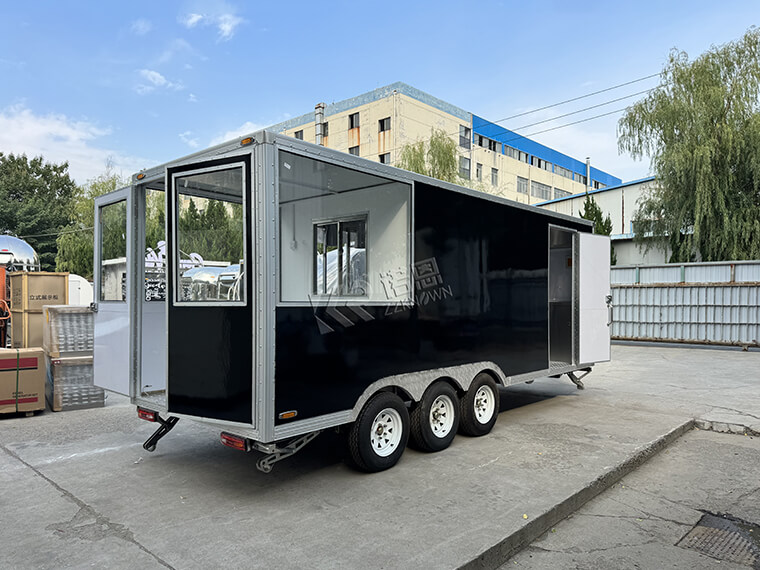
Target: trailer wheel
x=378, y=437
x=479, y=407
x=434, y=421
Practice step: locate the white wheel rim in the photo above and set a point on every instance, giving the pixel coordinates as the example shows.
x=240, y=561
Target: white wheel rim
x=484, y=404
x=386, y=433
x=441, y=416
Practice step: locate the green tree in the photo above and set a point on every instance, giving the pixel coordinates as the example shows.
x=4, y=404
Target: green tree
x=701, y=129
x=36, y=200
x=75, y=241
x=602, y=225
x=437, y=157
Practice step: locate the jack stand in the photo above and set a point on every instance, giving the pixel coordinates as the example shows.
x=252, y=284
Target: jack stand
x=577, y=379
x=279, y=453
x=165, y=427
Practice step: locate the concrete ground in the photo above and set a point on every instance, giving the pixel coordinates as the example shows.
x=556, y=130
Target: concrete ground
x=77, y=489
x=639, y=522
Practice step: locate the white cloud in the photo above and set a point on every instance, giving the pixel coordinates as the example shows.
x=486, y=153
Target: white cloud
x=141, y=26
x=226, y=25
x=174, y=48
x=192, y=98
x=188, y=139
x=224, y=20
x=245, y=129
x=59, y=139
x=191, y=20
x=155, y=80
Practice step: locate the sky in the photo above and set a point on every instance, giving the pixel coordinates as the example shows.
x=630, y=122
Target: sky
x=135, y=84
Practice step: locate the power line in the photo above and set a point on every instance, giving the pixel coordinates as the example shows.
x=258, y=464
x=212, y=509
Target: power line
x=584, y=109
x=577, y=98
x=58, y=233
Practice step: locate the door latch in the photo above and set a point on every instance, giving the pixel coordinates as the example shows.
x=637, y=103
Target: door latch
x=608, y=300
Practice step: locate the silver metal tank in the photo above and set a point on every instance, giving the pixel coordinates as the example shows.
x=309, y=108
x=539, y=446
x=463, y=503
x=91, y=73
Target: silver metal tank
x=19, y=253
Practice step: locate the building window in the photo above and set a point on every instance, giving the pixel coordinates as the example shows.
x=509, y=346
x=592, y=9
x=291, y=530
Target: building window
x=384, y=125
x=299, y=135
x=523, y=157
x=580, y=178
x=464, y=167
x=385, y=158
x=478, y=171
x=598, y=185
x=495, y=176
x=325, y=130
x=485, y=142
x=340, y=262
x=511, y=152
x=541, y=191
x=353, y=121
x=563, y=172
x=541, y=163
x=354, y=150
x=560, y=193
x=522, y=185
x=465, y=136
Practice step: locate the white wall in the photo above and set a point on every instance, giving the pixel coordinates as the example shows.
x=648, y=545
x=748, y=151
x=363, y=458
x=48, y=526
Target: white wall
x=388, y=223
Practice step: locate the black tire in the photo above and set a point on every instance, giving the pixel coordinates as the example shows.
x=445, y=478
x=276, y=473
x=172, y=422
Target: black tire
x=479, y=407
x=435, y=419
x=369, y=449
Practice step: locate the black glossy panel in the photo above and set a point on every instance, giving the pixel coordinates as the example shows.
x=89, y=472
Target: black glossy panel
x=482, y=297
x=210, y=363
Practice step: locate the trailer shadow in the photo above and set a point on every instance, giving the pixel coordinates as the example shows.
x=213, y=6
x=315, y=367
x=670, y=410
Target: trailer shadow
x=523, y=394
x=234, y=472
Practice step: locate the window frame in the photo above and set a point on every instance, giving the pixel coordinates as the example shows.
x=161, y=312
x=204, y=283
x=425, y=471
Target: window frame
x=353, y=121
x=298, y=135
x=384, y=125
x=352, y=149
x=385, y=154
x=177, y=281
x=316, y=224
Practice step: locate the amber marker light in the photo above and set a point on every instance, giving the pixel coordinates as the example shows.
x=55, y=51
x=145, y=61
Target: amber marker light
x=288, y=415
x=246, y=141
x=141, y=176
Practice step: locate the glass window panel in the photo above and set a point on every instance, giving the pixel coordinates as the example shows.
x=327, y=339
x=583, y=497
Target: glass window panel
x=113, y=252
x=210, y=237
x=343, y=233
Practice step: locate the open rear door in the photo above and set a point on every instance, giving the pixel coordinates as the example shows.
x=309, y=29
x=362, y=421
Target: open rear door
x=593, y=290
x=113, y=244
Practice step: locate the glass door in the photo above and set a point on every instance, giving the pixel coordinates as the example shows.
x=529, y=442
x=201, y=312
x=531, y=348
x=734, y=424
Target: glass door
x=111, y=270
x=209, y=291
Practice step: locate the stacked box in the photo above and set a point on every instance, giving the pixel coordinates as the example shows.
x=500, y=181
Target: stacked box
x=29, y=292
x=70, y=384
x=68, y=340
x=68, y=331
x=22, y=380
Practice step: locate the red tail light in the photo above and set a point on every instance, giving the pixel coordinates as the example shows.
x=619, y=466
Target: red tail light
x=234, y=441
x=146, y=415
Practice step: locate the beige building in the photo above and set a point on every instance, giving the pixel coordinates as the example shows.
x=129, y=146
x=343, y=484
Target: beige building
x=377, y=125
x=620, y=203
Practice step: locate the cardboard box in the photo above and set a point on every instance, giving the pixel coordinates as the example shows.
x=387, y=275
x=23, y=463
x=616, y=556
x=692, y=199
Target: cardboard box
x=26, y=329
x=31, y=291
x=22, y=380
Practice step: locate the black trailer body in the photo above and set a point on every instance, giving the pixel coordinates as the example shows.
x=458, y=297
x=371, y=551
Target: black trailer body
x=307, y=289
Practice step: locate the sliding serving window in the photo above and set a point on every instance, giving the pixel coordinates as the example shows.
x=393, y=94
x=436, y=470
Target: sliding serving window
x=210, y=237
x=344, y=234
x=340, y=257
